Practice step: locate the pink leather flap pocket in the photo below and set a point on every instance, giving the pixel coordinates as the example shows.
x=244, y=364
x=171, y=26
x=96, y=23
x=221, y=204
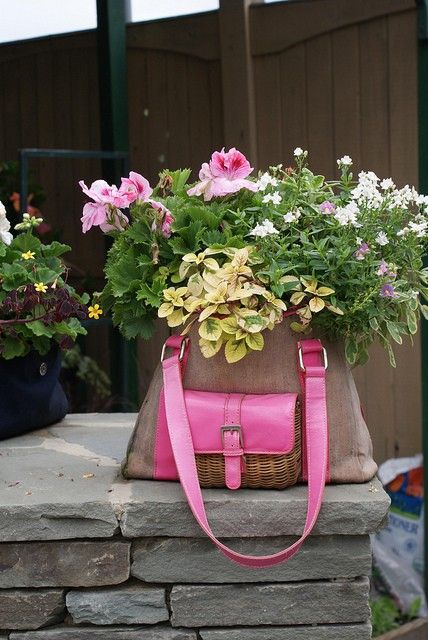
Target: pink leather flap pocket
x=266, y=421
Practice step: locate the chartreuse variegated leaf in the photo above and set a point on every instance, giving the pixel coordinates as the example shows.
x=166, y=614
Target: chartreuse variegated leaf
x=255, y=341
x=374, y=324
x=210, y=329
x=394, y=332
x=229, y=325
x=316, y=304
x=210, y=348
x=297, y=297
x=176, y=318
x=334, y=309
x=297, y=327
x=412, y=322
x=235, y=350
x=324, y=291
x=351, y=350
x=195, y=284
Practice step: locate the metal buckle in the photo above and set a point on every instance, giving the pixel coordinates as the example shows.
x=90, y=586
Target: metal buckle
x=232, y=427
x=182, y=350
x=324, y=356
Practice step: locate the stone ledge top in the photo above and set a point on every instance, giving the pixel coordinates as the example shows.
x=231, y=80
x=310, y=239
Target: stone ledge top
x=64, y=482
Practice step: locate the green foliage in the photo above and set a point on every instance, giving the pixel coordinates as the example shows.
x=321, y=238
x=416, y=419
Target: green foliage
x=361, y=242
x=37, y=306
x=386, y=615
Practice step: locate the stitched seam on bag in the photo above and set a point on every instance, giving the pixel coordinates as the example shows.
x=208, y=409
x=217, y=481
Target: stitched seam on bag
x=188, y=438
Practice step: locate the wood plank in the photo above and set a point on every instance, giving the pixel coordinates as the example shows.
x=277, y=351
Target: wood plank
x=178, y=111
x=45, y=117
x=238, y=77
x=138, y=110
x=157, y=119
x=374, y=96
x=195, y=35
x=293, y=101
x=319, y=96
x=10, y=51
x=12, y=134
x=198, y=99
x=268, y=110
x=374, y=145
x=403, y=118
x=346, y=93
x=216, y=104
x=415, y=630
x=275, y=27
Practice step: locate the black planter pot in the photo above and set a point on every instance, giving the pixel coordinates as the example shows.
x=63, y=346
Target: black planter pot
x=31, y=396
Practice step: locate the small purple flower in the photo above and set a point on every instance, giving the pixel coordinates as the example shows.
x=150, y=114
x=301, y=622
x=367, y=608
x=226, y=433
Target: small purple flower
x=387, y=291
x=383, y=269
x=327, y=207
x=360, y=253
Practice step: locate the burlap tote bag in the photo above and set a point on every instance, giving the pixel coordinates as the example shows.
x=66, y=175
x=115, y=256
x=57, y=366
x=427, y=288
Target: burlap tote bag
x=272, y=370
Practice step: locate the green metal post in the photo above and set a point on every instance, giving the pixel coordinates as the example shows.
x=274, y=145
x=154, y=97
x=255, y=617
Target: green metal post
x=423, y=188
x=113, y=91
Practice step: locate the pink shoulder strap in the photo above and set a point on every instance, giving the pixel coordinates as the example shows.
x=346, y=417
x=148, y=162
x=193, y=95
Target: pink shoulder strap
x=313, y=367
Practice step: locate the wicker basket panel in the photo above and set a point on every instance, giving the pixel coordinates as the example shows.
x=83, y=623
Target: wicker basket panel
x=261, y=471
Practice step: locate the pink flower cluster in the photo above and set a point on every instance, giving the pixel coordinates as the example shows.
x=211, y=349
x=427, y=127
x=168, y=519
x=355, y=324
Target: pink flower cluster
x=224, y=174
x=108, y=201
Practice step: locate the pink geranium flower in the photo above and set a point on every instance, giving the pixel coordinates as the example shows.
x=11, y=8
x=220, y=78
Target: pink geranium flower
x=100, y=191
x=225, y=174
x=165, y=218
x=105, y=211
x=94, y=215
x=135, y=188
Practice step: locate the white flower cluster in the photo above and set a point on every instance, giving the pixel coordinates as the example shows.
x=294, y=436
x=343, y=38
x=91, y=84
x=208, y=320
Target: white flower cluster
x=387, y=184
x=345, y=161
x=299, y=152
x=381, y=239
x=419, y=226
x=265, y=180
x=266, y=228
x=348, y=215
x=366, y=192
x=292, y=216
x=274, y=197
x=5, y=235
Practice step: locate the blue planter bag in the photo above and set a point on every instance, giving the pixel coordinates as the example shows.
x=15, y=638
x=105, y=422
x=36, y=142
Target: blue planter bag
x=31, y=396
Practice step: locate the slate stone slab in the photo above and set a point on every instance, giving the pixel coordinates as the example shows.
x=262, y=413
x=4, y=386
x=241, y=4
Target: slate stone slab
x=340, y=601
x=130, y=604
x=160, y=509
x=195, y=560
x=60, y=482
x=64, y=564
x=64, y=482
x=31, y=609
x=111, y=633
x=316, y=632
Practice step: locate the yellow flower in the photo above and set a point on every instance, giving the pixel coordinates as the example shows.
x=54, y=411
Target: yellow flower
x=95, y=311
x=28, y=255
x=41, y=287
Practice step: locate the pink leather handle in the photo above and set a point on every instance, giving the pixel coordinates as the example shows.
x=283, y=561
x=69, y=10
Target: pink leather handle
x=316, y=439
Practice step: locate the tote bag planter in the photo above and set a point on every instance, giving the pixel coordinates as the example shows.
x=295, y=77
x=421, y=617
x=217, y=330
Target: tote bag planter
x=31, y=396
x=276, y=417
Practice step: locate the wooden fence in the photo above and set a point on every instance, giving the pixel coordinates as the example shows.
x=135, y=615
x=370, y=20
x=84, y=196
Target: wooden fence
x=331, y=76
